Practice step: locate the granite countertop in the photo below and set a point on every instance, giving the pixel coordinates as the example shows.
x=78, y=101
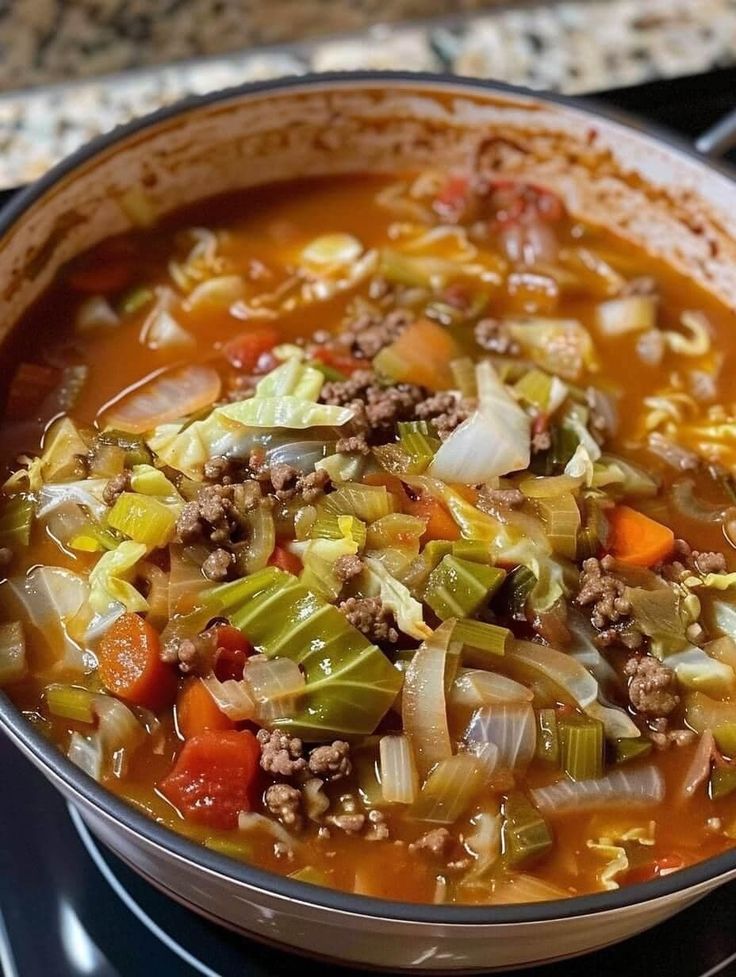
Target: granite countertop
x=573, y=46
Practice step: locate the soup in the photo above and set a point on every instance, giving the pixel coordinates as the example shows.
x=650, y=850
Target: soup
x=380, y=533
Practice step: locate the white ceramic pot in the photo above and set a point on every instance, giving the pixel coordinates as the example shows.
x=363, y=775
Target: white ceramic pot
x=648, y=190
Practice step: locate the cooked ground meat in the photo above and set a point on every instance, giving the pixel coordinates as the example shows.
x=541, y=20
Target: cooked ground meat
x=491, y=498
x=217, y=565
x=116, y=486
x=436, y=842
x=377, y=409
x=286, y=482
x=652, y=686
x=224, y=471
x=541, y=441
x=341, y=393
x=185, y=653
x=281, y=754
x=709, y=562
x=285, y=803
x=370, y=617
x=331, y=762
x=217, y=514
x=663, y=737
x=494, y=336
x=368, y=333
x=354, y=443
x=347, y=567
x=351, y=824
x=446, y=411
x=621, y=634
x=691, y=561
x=603, y=592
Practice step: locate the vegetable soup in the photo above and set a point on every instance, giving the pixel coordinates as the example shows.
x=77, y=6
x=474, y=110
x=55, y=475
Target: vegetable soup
x=381, y=533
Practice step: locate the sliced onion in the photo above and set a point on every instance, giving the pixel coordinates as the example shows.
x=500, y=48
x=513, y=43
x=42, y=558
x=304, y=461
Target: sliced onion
x=186, y=580
x=165, y=397
x=510, y=727
x=562, y=671
x=13, y=662
x=699, y=769
x=450, y=788
x=233, y=697
x=399, y=782
x=302, y=455
x=51, y=598
x=250, y=821
x=86, y=753
x=162, y=331
x=120, y=734
x=423, y=706
x=278, y=678
x=620, y=788
x=525, y=888
x=494, y=441
x=86, y=492
x=477, y=687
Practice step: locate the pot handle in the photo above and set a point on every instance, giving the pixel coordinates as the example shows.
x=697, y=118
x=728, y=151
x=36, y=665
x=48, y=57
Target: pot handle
x=716, y=141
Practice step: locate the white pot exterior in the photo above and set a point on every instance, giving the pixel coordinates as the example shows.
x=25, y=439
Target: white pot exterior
x=647, y=191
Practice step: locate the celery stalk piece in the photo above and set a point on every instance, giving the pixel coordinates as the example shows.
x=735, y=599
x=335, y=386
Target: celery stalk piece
x=143, y=518
x=482, y=643
x=16, y=518
x=71, y=702
x=241, y=849
x=367, y=502
x=349, y=683
x=581, y=746
x=722, y=782
x=475, y=550
x=13, y=663
x=628, y=749
x=525, y=833
x=535, y=388
x=418, y=439
x=561, y=517
x=459, y=588
x=548, y=741
x=330, y=525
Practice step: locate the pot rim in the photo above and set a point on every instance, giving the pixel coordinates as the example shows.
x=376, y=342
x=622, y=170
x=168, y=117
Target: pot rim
x=23, y=734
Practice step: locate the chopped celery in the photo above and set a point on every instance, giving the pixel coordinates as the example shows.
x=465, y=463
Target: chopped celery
x=143, y=518
x=240, y=849
x=135, y=299
x=581, y=746
x=630, y=748
x=561, y=517
x=526, y=835
x=420, y=442
x=94, y=539
x=535, y=388
x=16, y=518
x=722, y=782
x=548, y=740
x=459, y=588
x=136, y=450
x=520, y=584
x=449, y=789
x=367, y=502
x=725, y=736
x=71, y=702
x=329, y=525
x=476, y=550
x=350, y=684
x=396, y=531
x=401, y=269
x=13, y=664
x=482, y=643
x=311, y=875
x=593, y=532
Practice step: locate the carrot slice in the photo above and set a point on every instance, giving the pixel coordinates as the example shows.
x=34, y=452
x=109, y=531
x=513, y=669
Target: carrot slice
x=244, y=350
x=130, y=664
x=197, y=711
x=440, y=524
x=422, y=354
x=638, y=540
x=285, y=560
x=215, y=777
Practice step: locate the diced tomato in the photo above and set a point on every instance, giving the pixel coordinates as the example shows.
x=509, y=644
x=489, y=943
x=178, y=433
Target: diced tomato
x=215, y=777
x=285, y=560
x=655, y=869
x=338, y=359
x=245, y=350
x=452, y=198
x=514, y=200
x=232, y=648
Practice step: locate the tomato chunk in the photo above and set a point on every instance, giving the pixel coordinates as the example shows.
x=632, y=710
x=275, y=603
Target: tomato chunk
x=232, y=648
x=130, y=664
x=285, y=560
x=215, y=777
x=245, y=350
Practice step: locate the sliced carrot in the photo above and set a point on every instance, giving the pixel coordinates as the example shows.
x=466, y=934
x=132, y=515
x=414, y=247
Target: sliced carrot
x=130, y=664
x=440, y=524
x=422, y=354
x=285, y=560
x=197, y=711
x=391, y=482
x=215, y=777
x=638, y=540
x=244, y=350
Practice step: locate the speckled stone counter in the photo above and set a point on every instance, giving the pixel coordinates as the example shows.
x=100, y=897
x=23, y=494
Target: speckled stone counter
x=579, y=46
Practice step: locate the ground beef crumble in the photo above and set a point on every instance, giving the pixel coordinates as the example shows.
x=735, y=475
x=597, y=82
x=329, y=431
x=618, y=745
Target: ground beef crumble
x=603, y=592
x=369, y=332
x=217, y=514
x=116, y=486
x=284, y=802
x=346, y=567
x=218, y=564
x=494, y=336
x=370, y=617
x=663, y=737
x=446, y=411
x=331, y=762
x=652, y=686
x=281, y=755
x=376, y=409
x=435, y=842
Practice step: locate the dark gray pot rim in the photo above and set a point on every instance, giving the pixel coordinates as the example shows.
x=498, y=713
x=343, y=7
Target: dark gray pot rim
x=50, y=758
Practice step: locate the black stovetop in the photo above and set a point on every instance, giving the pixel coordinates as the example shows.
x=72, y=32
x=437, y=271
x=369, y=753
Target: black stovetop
x=71, y=909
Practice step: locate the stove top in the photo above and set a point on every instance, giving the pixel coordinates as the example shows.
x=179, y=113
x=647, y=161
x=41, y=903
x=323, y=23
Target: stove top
x=69, y=908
